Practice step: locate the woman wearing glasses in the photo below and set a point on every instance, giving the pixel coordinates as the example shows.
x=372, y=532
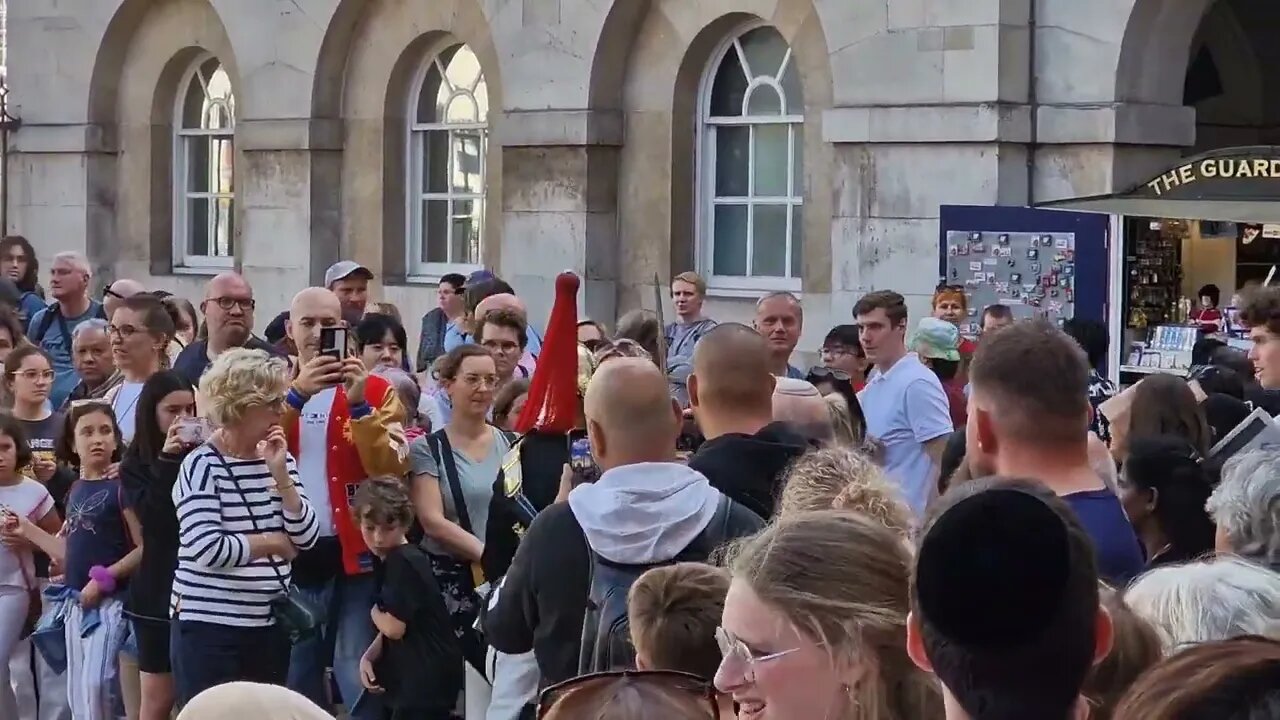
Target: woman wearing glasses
x=140, y=332
x=242, y=517
x=815, y=624
x=28, y=379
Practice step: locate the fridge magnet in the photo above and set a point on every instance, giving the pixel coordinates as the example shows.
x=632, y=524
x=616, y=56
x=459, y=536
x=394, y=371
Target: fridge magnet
x=1035, y=268
x=955, y=273
x=973, y=282
x=1060, y=243
x=1006, y=251
x=1070, y=296
x=1046, y=240
x=991, y=261
x=1013, y=263
x=1053, y=292
x=1035, y=301
x=1029, y=287
x=1046, y=280
x=1002, y=287
x=1015, y=278
x=975, y=266
x=979, y=247
x=1055, y=307
x=962, y=249
x=1069, y=255
x=1033, y=254
x=975, y=236
x=1060, y=257
x=953, y=251
x=1068, y=269
x=1053, y=280
x=1004, y=239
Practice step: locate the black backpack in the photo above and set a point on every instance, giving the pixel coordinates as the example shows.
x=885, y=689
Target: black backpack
x=606, y=633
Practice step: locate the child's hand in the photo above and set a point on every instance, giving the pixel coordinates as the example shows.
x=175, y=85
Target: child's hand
x=13, y=533
x=43, y=467
x=367, y=678
x=91, y=595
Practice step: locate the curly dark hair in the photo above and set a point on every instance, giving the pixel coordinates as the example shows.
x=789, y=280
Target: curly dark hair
x=1261, y=307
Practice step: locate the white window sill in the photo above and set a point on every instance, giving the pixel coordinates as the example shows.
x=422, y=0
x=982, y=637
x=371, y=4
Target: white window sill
x=206, y=270
x=754, y=289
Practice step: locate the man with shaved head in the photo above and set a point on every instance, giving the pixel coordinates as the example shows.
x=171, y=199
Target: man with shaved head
x=800, y=404
x=227, y=307
x=343, y=426
x=645, y=509
x=117, y=292
x=731, y=394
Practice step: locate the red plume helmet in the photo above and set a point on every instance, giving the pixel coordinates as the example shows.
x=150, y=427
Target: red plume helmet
x=552, y=405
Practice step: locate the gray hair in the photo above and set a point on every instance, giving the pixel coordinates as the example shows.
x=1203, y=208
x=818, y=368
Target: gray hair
x=1207, y=601
x=77, y=259
x=405, y=386
x=782, y=294
x=87, y=326
x=1246, y=505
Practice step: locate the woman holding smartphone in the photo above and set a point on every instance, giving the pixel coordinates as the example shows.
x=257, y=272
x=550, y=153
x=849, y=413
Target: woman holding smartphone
x=167, y=430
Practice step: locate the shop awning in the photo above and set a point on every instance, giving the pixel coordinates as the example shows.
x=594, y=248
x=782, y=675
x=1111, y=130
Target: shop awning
x=1240, y=184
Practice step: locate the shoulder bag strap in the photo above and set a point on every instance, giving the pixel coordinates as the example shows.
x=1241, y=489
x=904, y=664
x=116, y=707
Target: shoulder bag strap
x=231, y=477
x=448, y=467
x=51, y=313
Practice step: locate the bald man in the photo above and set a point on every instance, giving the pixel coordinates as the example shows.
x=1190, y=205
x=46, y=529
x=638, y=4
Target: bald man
x=507, y=301
x=118, y=291
x=731, y=393
x=645, y=509
x=228, y=307
x=343, y=427
x=799, y=403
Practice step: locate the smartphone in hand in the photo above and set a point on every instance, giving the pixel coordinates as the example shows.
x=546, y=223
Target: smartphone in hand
x=581, y=461
x=333, y=342
x=193, y=430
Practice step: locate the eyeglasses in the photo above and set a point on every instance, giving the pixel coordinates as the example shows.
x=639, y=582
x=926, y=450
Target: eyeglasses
x=124, y=331
x=670, y=681
x=226, y=303
x=840, y=350
x=112, y=293
x=823, y=373
x=481, y=380
x=503, y=347
x=732, y=647
x=33, y=375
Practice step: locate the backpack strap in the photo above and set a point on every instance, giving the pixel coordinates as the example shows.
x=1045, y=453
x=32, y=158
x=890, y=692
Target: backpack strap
x=442, y=451
x=52, y=312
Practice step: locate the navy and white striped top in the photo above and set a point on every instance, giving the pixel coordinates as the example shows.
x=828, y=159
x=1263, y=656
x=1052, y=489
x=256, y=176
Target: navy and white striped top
x=216, y=581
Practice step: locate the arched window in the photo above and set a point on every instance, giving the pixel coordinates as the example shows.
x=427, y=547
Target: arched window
x=448, y=140
x=204, y=160
x=751, y=164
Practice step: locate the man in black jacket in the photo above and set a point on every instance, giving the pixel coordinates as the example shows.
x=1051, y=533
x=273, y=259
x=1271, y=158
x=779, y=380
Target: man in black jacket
x=645, y=509
x=228, y=307
x=731, y=393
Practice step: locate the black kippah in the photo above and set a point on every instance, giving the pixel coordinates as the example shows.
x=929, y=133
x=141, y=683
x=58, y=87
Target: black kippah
x=993, y=569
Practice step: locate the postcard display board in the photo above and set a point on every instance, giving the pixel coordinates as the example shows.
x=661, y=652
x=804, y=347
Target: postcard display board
x=1032, y=273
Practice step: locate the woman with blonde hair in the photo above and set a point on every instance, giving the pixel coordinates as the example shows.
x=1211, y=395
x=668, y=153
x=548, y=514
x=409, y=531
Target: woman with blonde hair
x=815, y=623
x=840, y=478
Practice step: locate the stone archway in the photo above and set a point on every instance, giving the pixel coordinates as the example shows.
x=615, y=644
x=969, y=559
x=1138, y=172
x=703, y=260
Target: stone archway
x=144, y=52
x=668, y=52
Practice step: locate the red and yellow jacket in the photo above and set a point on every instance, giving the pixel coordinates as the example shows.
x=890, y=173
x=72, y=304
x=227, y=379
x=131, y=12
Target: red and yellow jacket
x=364, y=443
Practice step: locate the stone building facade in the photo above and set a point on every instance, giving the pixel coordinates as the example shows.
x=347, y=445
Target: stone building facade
x=772, y=144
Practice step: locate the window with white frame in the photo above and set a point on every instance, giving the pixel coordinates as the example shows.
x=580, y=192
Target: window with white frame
x=751, y=164
x=448, y=141
x=204, y=160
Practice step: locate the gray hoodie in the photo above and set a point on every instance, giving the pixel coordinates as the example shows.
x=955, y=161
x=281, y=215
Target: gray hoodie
x=645, y=513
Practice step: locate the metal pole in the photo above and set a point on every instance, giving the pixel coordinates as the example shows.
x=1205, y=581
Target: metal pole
x=8, y=124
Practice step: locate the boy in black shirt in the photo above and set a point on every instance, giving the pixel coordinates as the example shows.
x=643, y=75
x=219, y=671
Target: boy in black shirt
x=415, y=663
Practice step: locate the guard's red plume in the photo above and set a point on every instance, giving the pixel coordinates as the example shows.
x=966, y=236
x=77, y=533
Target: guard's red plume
x=553, y=391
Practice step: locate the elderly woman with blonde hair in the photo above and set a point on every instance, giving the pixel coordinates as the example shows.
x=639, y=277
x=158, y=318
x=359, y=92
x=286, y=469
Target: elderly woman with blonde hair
x=242, y=517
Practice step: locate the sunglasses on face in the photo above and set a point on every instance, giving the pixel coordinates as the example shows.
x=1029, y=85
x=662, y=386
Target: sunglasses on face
x=826, y=373
x=669, y=681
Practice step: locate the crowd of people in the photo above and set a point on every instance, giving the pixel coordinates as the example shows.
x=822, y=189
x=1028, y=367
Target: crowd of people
x=559, y=520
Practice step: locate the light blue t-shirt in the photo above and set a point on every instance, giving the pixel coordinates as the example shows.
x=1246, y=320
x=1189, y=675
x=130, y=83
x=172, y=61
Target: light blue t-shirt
x=59, y=348
x=905, y=408
x=454, y=336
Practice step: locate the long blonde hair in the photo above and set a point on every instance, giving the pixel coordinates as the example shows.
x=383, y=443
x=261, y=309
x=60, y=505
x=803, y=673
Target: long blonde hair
x=841, y=579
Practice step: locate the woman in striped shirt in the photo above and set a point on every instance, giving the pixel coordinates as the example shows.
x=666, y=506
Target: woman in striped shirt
x=242, y=516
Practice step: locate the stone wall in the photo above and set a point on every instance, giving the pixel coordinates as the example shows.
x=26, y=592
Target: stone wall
x=909, y=104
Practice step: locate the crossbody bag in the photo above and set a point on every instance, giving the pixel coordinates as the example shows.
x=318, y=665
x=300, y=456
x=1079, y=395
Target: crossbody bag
x=293, y=613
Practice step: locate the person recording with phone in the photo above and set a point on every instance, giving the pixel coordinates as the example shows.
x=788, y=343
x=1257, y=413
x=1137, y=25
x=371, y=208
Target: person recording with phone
x=167, y=431
x=344, y=426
